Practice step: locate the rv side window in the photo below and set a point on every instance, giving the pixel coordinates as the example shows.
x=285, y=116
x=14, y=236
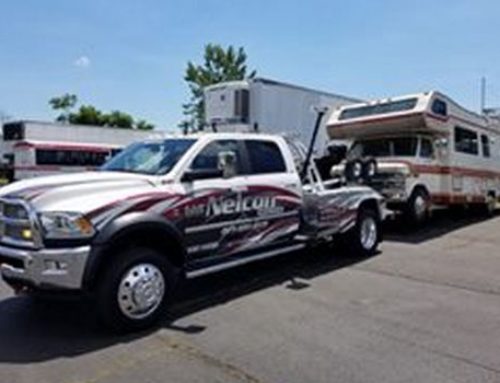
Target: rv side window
x=466, y=141
x=426, y=148
x=265, y=157
x=439, y=107
x=485, y=144
x=383, y=108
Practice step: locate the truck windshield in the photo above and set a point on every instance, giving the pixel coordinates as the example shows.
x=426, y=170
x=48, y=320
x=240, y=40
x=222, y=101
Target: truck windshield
x=385, y=147
x=154, y=157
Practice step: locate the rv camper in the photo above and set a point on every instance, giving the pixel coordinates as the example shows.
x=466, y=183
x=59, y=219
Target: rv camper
x=430, y=152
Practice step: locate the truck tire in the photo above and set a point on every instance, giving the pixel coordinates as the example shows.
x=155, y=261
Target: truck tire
x=135, y=289
x=365, y=237
x=417, y=208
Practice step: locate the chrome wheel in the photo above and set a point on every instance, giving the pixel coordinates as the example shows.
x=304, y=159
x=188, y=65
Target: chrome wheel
x=141, y=291
x=490, y=204
x=368, y=233
x=420, y=207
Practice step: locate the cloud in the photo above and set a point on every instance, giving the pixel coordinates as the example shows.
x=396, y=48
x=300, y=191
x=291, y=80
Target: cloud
x=82, y=62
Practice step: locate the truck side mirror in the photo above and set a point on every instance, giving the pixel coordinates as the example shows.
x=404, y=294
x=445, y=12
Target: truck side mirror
x=226, y=162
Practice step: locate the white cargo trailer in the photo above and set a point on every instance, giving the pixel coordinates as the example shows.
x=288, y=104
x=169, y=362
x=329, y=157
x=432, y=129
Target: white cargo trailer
x=33, y=148
x=263, y=105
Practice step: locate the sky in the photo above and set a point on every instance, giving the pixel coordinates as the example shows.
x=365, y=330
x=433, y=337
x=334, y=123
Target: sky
x=131, y=55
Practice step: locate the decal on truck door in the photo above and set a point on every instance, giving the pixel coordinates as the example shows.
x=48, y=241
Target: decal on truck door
x=216, y=220
x=241, y=220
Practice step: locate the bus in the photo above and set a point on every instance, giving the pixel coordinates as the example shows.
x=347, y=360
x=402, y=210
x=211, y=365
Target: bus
x=39, y=158
x=77, y=147
x=430, y=151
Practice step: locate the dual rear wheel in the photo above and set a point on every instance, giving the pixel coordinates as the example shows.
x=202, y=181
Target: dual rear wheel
x=136, y=287
x=364, y=238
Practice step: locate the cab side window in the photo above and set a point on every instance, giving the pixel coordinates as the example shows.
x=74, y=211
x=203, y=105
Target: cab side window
x=265, y=157
x=208, y=158
x=426, y=148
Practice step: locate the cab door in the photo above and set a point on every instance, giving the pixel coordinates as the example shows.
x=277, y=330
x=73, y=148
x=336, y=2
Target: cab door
x=211, y=200
x=272, y=197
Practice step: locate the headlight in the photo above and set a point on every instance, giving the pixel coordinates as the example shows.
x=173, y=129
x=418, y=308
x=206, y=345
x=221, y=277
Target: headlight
x=369, y=169
x=357, y=169
x=66, y=225
x=353, y=171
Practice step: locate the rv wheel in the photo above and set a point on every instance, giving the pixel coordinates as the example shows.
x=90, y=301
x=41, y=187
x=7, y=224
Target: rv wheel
x=490, y=205
x=417, y=210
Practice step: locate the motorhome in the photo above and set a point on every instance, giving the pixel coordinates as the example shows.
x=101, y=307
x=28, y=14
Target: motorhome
x=33, y=148
x=430, y=151
x=263, y=105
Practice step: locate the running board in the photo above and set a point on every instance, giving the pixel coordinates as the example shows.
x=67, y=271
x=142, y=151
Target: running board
x=243, y=261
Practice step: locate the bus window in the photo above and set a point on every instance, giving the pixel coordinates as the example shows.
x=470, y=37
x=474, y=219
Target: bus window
x=60, y=157
x=13, y=131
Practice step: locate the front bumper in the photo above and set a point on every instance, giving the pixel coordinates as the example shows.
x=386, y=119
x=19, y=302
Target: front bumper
x=44, y=268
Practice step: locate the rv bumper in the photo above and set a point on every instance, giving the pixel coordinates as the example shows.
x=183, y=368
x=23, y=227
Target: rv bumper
x=45, y=268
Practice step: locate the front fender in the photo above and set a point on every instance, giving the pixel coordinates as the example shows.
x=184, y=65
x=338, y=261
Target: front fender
x=126, y=223
x=122, y=228
x=364, y=195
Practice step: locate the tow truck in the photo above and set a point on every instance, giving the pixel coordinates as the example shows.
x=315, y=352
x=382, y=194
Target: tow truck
x=175, y=208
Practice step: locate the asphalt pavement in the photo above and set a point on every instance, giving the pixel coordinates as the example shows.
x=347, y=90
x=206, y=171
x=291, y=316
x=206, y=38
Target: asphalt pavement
x=425, y=309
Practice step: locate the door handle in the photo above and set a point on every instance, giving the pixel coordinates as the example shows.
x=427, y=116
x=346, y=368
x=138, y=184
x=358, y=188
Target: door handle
x=238, y=188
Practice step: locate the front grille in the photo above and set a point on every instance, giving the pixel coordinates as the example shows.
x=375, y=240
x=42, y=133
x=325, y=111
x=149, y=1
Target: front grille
x=17, y=263
x=388, y=181
x=14, y=222
x=14, y=211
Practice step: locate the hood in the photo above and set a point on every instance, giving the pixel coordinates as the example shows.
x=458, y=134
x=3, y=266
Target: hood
x=80, y=192
x=383, y=167
x=400, y=167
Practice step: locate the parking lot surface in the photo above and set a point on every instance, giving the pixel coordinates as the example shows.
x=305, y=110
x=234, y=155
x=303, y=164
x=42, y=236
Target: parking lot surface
x=426, y=309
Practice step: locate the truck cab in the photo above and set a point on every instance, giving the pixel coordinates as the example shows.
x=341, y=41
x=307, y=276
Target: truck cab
x=163, y=210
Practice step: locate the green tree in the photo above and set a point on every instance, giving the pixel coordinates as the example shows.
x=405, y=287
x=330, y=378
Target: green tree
x=119, y=119
x=64, y=103
x=219, y=65
x=90, y=115
x=87, y=115
x=144, y=125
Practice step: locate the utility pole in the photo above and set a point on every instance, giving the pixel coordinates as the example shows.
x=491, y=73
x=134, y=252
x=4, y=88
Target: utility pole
x=483, y=95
